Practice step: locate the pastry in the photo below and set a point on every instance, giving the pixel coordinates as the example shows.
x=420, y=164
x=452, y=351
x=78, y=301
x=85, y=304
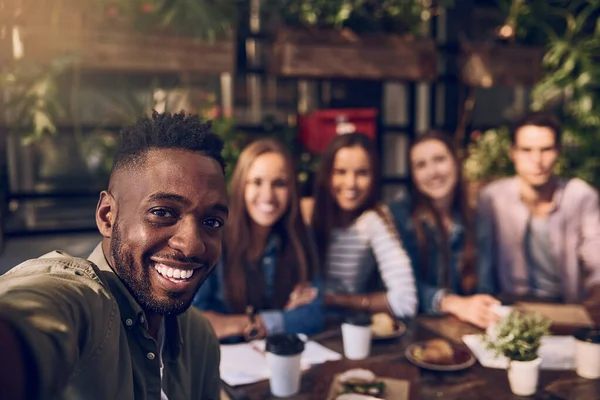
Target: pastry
x=435, y=351
x=382, y=324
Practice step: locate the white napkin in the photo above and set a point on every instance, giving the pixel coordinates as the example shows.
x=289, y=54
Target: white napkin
x=245, y=363
x=556, y=352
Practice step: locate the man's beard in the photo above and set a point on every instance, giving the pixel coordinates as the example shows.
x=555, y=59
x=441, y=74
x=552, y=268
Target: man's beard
x=137, y=280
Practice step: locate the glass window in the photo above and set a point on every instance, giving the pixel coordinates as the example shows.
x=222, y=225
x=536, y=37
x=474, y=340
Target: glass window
x=395, y=154
x=395, y=103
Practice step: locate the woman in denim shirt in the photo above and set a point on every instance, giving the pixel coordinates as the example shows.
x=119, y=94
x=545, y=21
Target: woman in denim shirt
x=262, y=284
x=437, y=228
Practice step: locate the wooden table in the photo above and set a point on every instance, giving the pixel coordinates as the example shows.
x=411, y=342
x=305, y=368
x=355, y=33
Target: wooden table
x=476, y=383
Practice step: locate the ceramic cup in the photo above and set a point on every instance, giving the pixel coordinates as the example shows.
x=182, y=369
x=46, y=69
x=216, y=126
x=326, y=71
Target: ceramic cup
x=587, y=352
x=283, y=354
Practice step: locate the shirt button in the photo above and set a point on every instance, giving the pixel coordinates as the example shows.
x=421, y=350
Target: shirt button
x=150, y=356
x=267, y=260
x=128, y=322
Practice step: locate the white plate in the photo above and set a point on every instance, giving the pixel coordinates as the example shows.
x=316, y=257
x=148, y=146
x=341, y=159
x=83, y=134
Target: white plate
x=399, y=331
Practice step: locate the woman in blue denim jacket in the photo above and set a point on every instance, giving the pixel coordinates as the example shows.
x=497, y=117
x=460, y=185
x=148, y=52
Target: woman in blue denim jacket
x=265, y=282
x=438, y=230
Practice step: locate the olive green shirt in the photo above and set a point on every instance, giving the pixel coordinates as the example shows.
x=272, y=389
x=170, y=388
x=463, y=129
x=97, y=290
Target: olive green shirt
x=89, y=338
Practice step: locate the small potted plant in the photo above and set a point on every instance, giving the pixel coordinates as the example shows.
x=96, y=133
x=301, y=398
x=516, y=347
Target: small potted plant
x=518, y=337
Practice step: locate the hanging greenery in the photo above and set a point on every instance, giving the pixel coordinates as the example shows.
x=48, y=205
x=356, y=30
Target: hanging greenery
x=570, y=85
x=33, y=104
x=206, y=19
x=361, y=16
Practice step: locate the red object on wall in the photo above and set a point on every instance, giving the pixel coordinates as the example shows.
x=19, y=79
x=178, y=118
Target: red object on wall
x=317, y=129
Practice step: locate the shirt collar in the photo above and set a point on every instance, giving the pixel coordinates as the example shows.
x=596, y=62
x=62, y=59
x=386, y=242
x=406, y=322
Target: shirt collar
x=556, y=196
x=131, y=312
x=273, y=244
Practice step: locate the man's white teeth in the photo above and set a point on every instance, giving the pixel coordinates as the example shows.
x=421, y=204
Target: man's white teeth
x=173, y=272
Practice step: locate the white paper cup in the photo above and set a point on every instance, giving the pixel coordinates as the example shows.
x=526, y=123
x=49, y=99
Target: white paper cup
x=283, y=353
x=587, y=353
x=356, y=337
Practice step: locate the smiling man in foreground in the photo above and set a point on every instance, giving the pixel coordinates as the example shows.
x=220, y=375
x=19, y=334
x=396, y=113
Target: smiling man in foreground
x=117, y=325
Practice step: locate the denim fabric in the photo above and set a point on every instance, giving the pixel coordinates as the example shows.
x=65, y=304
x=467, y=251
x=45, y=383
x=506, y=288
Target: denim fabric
x=307, y=319
x=430, y=285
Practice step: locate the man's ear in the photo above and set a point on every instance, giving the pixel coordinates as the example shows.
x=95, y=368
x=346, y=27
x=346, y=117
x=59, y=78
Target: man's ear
x=511, y=153
x=106, y=212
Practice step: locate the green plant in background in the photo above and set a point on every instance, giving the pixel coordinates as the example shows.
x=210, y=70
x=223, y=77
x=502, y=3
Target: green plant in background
x=570, y=30
x=572, y=80
x=33, y=102
x=518, y=337
x=487, y=155
x=570, y=86
x=206, y=19
x=233, y=141
x=361, y=16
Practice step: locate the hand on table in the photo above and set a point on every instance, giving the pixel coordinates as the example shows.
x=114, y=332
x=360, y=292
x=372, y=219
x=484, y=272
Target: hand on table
x=477, y=309
x=302, y=294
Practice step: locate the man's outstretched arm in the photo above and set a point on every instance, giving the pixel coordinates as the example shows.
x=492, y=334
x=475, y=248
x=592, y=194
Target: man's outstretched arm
x=15, y=365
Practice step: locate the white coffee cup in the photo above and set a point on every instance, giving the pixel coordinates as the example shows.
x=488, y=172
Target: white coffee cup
x=283, y=354
x=587, y=353
x=356, y=337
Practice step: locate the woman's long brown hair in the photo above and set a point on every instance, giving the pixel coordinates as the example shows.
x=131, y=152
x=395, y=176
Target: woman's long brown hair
x=297, y=261
x=423, y=210
x=327, y=213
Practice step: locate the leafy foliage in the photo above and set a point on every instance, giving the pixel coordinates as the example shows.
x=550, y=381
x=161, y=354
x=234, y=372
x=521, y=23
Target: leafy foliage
x=206, y=19
x=572, y=81
x=233, y=141
x=518, y=337
x=34, y=104
x=488, y=155
x=570, y=86
x=392, y=16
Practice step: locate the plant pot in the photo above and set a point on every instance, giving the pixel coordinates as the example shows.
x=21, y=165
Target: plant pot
x=104, y=43
x=523, y=376
x=333, y=53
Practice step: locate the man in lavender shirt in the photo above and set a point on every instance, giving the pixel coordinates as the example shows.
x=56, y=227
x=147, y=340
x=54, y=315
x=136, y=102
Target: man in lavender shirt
x=539, y=234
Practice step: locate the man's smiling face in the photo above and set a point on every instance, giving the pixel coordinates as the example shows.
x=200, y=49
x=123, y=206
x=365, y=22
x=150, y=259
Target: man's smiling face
x=167, y=225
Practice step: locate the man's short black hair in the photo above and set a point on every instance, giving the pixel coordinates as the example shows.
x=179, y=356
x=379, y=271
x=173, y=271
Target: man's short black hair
x=542, y=119
x=166, y=131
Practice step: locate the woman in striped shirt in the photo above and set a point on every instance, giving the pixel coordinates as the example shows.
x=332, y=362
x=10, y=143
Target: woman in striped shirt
x=356, y=238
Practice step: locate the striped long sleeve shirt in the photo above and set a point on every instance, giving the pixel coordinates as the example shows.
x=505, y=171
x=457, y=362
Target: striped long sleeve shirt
x=355, y=252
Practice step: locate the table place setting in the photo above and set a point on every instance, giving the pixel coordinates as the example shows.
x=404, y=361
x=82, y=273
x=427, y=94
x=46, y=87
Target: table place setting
x=557, y=353
x=246, y=363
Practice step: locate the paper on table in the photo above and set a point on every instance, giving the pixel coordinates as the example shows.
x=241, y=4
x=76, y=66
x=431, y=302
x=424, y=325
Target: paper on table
x=561, y=314
x=313, y=354
x=242, y=364
x=557, y=353
x=245, y=363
